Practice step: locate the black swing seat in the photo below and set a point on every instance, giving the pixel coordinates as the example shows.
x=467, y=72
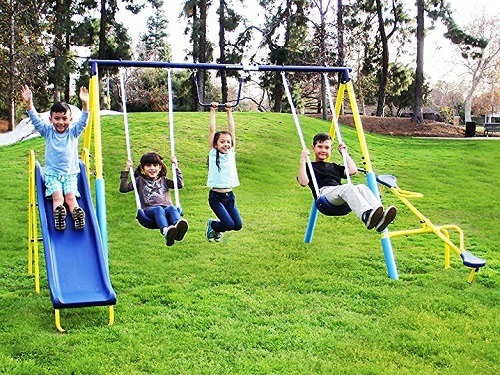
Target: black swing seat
x=472, y=261
x=328, y=209
x=146, y=222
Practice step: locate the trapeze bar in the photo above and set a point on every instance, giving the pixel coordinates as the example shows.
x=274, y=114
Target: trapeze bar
x=210, y=66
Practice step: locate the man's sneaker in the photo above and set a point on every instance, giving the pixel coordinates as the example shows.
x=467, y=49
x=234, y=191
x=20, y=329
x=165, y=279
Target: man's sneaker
x=60, y=217
x=387, y=218
x=209, y=232
x=372, y=217
x=217, y=236
x=170, y=234
x=182, y=227
x=79, y=218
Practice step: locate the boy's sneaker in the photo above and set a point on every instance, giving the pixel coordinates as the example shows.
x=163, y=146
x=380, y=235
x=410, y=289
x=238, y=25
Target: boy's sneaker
x=209, y=232
x=217, y=236
x=182, y=227
x=170, y=234
x=79, y=218
x=372, y=217
x=60, y=217
x=387, y=218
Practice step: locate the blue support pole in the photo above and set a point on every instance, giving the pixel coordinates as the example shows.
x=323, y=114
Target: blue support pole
x=313, y=217
x=101, y=215
x=390, y=262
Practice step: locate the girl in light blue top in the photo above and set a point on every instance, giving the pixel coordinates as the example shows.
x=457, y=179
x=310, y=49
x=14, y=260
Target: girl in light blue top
x=222, y=178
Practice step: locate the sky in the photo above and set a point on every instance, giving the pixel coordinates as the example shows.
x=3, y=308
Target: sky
x=438, y=51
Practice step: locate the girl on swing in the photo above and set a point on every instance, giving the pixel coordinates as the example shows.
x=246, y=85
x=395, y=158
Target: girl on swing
x=153, y=189
x=360, y=198
x=222, y=178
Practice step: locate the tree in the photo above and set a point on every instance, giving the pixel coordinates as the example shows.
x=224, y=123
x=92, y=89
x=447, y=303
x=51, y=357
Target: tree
x=447, y=96
x=373, y=26
x=148, y=88
x=321, y=34
x=196, y=13
x=23, y=56
x=401, y=89
x=229, y=20
x=483, y=61
x=153, y=45
x=285, y=33
x=419, y=70
x=398, y=17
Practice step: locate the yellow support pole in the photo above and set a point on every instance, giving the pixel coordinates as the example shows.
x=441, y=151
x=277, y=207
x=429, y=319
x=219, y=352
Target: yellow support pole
x=340, y=99
x=58, y=321
x=32, y=224
x=87, y=135
x=31, y=178
x=359, y=126
x=447, y=263
x=111, y=315
x=96, y=122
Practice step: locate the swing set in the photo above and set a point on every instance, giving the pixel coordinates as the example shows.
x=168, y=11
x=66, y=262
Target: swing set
x=320, y=205
x=77, y=262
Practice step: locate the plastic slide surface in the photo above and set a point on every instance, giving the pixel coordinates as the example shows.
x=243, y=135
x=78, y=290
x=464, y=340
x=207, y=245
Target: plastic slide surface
x=76, y=269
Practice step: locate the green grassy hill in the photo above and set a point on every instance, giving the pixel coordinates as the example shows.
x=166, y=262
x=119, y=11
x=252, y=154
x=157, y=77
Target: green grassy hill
x=262, y=301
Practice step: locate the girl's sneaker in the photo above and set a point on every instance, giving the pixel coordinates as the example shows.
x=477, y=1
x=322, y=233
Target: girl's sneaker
x=182, y=227
x=209, y=232
x=217, y=236
x=170, y=234
x=79, y=218
x=60, y=217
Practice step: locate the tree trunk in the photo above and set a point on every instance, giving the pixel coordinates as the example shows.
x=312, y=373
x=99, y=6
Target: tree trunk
x=67, y=83
x=222, y=50
x=202, y=50
x=58, y=49
x=12, y=65
x=102, y=36
x=419, y=72
x=340, y=38
x=278, y=96
x=385, y=62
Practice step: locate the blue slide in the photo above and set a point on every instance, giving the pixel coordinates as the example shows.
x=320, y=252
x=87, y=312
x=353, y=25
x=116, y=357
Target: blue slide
x=77, y=272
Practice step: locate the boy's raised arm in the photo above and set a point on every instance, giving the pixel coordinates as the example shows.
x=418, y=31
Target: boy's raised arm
x=27, y=97
x=84, y=97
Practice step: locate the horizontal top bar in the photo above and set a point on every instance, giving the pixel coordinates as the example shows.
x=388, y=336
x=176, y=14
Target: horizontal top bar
x=213, y=66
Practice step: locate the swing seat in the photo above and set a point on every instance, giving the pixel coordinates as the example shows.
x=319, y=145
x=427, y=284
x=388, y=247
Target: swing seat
x=328, y=209
x=148, y=223
x=472, y=261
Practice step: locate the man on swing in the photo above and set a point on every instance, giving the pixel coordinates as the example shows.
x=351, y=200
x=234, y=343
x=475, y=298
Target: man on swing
x=328, y=175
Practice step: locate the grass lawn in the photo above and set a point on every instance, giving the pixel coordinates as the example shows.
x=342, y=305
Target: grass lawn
x=262, y=301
